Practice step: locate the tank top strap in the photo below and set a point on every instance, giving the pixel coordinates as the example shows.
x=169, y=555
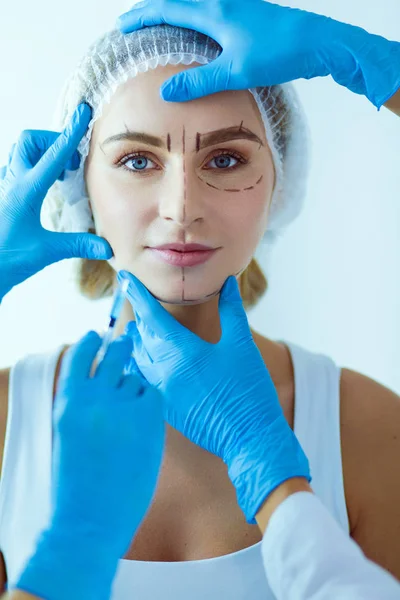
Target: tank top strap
x=26, y=470
x=317, y=426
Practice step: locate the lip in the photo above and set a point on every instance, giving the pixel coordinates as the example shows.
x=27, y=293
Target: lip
x=180, y=247
x=183, y=259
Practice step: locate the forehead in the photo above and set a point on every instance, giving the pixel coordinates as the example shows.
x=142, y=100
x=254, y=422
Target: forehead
x=137, y=105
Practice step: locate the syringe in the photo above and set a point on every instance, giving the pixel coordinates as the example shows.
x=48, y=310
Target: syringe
x=118, y=302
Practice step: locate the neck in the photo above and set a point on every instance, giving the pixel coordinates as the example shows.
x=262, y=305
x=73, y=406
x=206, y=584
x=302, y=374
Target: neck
x=203, y=320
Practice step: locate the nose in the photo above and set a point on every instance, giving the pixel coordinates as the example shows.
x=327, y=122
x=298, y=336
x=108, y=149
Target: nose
x=181, y=198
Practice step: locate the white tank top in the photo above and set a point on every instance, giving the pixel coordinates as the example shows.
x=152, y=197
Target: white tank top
x=26, y=481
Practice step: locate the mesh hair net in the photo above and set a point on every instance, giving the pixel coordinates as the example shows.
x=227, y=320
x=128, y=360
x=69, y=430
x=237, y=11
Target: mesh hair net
x=116, y=57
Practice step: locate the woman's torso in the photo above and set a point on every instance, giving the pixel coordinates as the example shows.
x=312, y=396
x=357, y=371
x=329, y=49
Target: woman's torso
x=183, y=526
x=194, y=515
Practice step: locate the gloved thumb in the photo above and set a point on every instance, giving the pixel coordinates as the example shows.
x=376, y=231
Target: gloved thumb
x=140, y=355
x=197, y=82
x=131, y=368
x=231, y=310
x=78, y=245
x=132, y=331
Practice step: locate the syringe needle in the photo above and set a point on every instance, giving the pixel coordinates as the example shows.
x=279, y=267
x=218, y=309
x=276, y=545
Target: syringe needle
x=115, y=312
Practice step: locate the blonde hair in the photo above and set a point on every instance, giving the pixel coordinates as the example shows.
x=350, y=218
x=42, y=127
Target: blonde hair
x=95, y=280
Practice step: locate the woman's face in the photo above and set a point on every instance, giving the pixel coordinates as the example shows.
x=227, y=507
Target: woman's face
x=196, y=173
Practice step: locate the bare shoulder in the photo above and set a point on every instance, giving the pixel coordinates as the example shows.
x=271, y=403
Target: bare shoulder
x=278, y=361
x=3, y=574
x=4, y=385
x=370, y=432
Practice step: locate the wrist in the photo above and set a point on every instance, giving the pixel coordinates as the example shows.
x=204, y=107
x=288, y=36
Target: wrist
x=277, y=496
x=363, y=62
x=262, y=461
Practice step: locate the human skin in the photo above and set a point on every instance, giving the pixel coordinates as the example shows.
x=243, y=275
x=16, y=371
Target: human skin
x=286, y=489
x=276, y=498
x=181, y=195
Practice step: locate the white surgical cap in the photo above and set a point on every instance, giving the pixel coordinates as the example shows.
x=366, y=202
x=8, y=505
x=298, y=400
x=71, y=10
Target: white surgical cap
x=116, y=57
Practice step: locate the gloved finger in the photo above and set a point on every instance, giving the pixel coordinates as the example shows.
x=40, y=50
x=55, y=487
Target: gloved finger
x=72, y=165
x=79, y=358
x=31, y=146
x=231, y=309
x=140, y=358
x=53, y=162
x=200, y=81
x=29, y=149
x=3, y=170
x=191, y=15
x=142, y=14
x=132, y=331
x=11, y=153
x=77, y=245
x=149, y=310
x=111, y=368
x=134, y=384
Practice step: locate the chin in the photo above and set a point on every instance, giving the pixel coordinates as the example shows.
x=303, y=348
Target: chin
x=179, y=300
x=168, y=289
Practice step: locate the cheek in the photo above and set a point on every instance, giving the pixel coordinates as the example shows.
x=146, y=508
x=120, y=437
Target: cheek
x=248, y=214
x=117, y=207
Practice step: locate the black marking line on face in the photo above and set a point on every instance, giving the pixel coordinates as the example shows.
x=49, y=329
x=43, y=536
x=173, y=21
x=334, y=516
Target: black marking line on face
x=169, y=142
x=197, y=142
x=213, y=294
x=219, y=291
x=241, y=125
x=184, y=171
x=184, y=204
x=233, y=190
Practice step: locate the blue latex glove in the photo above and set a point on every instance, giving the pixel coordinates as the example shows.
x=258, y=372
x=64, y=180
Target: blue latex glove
x=37, y=160
x=220, y=396
x=266, y=44
x=109, y=435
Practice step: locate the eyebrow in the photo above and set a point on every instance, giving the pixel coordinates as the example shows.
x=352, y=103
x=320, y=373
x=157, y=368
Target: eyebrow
x=202, y=140
x=136, y=136
x=226, y=135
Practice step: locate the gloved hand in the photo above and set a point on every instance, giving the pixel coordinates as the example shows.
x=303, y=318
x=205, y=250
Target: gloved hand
x=220, y=396
x=108, y=443
x=267, y=44
x=37, y=160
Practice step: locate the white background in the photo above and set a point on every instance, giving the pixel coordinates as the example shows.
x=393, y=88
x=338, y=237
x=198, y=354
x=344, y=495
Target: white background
x=334, y=276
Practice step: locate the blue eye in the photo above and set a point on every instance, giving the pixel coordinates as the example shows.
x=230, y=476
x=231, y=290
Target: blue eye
x=223, y=161
x=140, y=163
